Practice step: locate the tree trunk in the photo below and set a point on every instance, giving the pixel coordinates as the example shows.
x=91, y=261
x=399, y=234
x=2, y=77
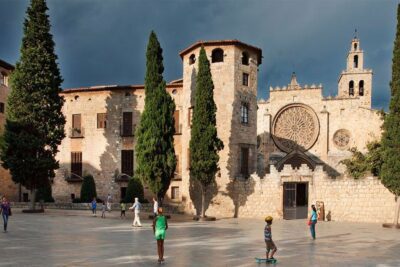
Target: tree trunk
x=32, y=205
x=203, y=200
x=397, y=211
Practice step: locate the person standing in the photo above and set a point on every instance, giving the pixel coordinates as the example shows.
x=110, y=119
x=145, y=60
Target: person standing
x=155, y=206
x=123, y=209
x=136, y=207
x=313, y=220
x=160, y=225
x=5, y=210
x=103, y=210
x=109, y=202
x=94, y=206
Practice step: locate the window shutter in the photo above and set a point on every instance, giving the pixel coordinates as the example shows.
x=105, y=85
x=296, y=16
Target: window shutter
x=176, y=121
x=127, y=119
x=76, y=121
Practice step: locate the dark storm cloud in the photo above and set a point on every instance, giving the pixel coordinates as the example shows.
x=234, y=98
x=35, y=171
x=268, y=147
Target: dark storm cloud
x=104, y=42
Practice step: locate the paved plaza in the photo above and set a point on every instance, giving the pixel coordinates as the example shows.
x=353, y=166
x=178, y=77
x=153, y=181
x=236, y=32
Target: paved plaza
x=74, y=238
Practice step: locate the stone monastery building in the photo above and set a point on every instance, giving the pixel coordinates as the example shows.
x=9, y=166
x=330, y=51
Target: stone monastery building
x=280, y=155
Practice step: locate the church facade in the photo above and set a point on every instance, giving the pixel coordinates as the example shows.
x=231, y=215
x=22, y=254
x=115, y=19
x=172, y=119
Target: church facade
x=280, y=155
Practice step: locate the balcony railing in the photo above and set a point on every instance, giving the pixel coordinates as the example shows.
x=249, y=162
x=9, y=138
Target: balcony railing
x=127, y=131
x=73, y=178
x=76, y=132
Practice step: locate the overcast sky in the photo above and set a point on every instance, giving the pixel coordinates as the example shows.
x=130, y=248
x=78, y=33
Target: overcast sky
x=103, y=42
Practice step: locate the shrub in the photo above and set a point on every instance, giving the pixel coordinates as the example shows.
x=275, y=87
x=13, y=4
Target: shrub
x=135, y=189
x=88, y=189
x=44, y=193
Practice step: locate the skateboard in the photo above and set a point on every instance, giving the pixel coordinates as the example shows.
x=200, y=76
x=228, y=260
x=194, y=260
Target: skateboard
x=260, y=260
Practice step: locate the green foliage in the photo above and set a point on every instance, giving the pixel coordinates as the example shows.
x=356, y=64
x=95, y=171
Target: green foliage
x=44, y=193
x=155, y=135
x=390, y=172
x=360, y=164
x=88, y=189
x=204, y=143
x=135, y=189
x=34, y=105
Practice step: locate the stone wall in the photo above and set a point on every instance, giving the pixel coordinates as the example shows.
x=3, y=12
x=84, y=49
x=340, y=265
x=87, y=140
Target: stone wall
x=346, y=199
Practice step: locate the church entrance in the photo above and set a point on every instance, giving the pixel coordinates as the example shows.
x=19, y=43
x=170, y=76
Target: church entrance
x=295, y=200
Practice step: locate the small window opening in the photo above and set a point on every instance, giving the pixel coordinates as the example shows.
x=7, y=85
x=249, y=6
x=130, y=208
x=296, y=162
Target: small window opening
x=192, y=59
x=245, y=58
x=355, y=61
x=361, y=88
x=355, y=46
x=351, y=88
x=245, y=79
x=244, y=113
x=217, y=55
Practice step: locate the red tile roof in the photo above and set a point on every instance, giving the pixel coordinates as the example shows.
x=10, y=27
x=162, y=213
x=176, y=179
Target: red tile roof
x=6, y=65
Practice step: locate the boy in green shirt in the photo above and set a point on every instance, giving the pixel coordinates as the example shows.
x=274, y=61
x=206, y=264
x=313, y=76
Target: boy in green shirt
x=123, y=208
x=160, y=225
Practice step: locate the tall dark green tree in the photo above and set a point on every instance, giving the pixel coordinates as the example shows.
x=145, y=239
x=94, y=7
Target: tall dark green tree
x=204, y=143
x=155, y=135
x=88, y=189
x=34, y=105
x=390, y=171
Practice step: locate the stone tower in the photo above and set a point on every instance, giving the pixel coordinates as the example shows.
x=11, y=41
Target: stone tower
x=234, y=68
x=355, y=81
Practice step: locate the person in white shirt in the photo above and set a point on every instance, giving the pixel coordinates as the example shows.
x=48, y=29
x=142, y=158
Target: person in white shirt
x=155, y=207
x=109, y=203
x=136, y=207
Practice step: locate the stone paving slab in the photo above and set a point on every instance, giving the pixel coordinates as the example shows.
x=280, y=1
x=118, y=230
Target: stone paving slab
x=77, y=239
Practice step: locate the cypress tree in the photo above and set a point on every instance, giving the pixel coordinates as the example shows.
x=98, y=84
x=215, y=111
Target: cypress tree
x=88, y=189
x=204, y=143
x=390, y=171
x=34, y=105
x=155, y=135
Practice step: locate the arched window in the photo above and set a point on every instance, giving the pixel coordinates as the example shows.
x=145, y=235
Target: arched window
x=217, y=55
x=355, y=61
x=192, y=59
x=361, y=88
x=351, y=88
x=355, y=46
x=245, y=58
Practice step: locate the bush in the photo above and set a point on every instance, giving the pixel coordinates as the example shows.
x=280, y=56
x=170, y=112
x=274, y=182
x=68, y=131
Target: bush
x=135, y=189
x=44, y=194
x=76, y=200
x=88, y=189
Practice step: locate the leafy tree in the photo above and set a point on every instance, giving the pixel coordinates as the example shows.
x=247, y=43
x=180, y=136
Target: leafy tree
x=44, y=193
x=88, y=189
x=34, y=105
x=135, y=189
x=360, y=164
x=155, y=135
x=204, y=143
x=390, y=171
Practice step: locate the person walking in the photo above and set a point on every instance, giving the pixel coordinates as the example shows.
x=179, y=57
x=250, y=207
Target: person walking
x=103, y=210
x=123, y=209
x=5, y=210
x=313, y=220
x=136, y=207
x=160, y=225
x=109, y=202
x=94, y=206
x=155, y=206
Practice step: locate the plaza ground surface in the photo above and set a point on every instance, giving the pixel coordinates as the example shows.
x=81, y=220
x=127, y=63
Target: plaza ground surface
x=74, y=238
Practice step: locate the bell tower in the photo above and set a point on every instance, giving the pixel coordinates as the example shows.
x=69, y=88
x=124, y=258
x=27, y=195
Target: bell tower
x=356, y=82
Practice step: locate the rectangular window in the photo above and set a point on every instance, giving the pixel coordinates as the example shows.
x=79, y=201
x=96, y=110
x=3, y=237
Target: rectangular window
x=76, y=165
x=127, y=126
x=76, y=121
x=244, y=161
x=245, y=80
x=1, y=107
x=178, y=166
x=176, y=122
x=127, y=162
x=190, y=116
x=244, y=113
x=175, y=192
x=101, y=120
x=72, y=197
x=25, y=197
